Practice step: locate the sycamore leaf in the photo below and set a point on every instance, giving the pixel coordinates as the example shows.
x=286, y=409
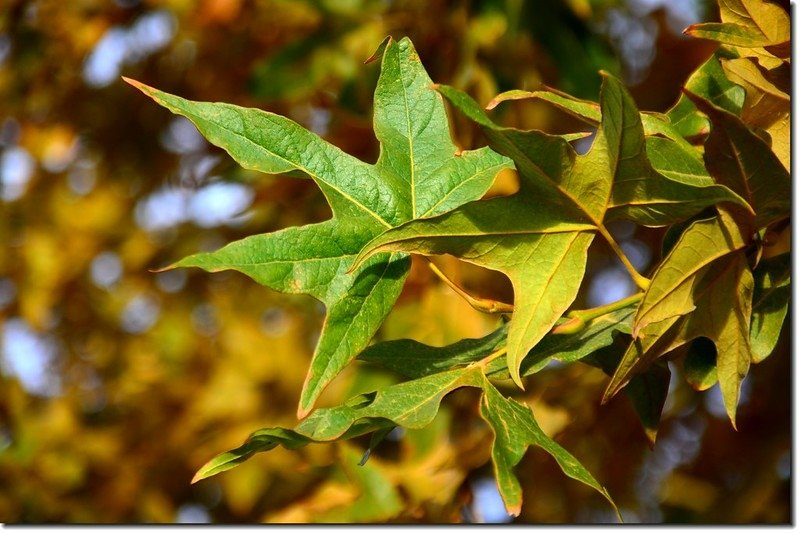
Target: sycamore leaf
x=569, y=348
x=648, y=391
x=515, y=429
x=703, y=288
x=724, y=303
x=671, y=294
x=660, y=177
x=747, y=23
x=415, y=359
x=412, y=404
x=710, y=82
x=764, y=103
x=767, y=106
x=538, y=237
x=770, y=304
x=739, y=159
x=680, y=188
x=588, y=111
x=420, y=172
x=671, y=287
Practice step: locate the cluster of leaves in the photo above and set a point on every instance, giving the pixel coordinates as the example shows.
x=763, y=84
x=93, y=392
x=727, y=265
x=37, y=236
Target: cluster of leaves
x=714, y=169
x=163, y=370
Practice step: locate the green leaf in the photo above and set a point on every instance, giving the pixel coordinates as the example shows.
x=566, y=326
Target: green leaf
x=660, y=178
x=770, y=303
x=569, y=348
x=414, y=359
x=589, y=112
x=747, y=23
x=677, y=191
x=538, y=237
x=648, y=393
x=412, y=404
x=724, y=305
x=721, y=304
x=670, y=291
x=741, y=160
x=420, y=172
x=515, y=429
x=710, y=82
x=700, y=364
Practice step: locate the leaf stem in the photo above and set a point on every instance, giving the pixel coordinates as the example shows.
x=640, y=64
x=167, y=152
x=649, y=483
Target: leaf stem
x=640, y=281
x=484, y=305
x=578, y=319
x=483, y=363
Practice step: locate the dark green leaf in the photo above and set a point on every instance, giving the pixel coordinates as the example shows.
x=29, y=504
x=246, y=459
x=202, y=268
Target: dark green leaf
x=771, y=295
x=700, y=364
x=414, y=359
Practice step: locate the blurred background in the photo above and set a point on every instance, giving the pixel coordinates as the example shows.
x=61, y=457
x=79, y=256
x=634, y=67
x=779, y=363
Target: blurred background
x=117, y=383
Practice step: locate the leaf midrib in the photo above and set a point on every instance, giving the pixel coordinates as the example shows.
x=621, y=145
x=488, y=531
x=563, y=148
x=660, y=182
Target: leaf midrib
x=411, y=162
x=297, y=166
x=463, y=183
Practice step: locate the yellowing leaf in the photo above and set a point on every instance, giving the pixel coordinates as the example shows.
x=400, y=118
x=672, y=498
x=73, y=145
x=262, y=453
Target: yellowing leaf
x=766, y=105
x=742, y=161
x=704, y=246
x=747, y=23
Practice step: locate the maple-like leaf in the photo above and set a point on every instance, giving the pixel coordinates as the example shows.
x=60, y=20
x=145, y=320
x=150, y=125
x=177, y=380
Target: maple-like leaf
x=515, y=429
x=414, y=404
x=741, y=160
x=748, y=24
x=419, y=173
x=704, y=287
x=660, y=178
x=767, y=102
x=539, y=236
x=670, y=295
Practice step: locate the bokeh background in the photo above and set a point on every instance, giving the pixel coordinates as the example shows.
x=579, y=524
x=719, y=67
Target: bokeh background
x=117, y=383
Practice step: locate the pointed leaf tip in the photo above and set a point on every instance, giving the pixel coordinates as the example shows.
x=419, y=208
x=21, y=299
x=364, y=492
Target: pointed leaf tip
x=302, y=411
x=515, y=375
x=379, y=51
x=139, y=85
